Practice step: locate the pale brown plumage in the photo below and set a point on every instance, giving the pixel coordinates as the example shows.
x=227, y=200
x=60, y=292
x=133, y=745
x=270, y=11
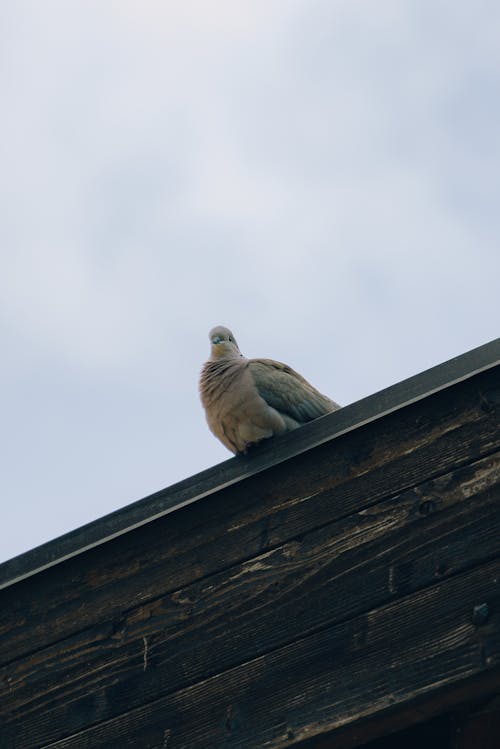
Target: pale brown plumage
x=248, y=400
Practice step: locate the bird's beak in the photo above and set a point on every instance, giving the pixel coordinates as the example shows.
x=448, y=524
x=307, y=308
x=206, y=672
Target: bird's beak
x=217, y=339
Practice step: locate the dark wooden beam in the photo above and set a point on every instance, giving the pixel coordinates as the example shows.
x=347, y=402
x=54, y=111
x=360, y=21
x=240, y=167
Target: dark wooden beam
x=432, y=532
x=419, y=644
x=431, y=720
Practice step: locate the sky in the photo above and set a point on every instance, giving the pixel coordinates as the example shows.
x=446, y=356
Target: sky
x=322, y=176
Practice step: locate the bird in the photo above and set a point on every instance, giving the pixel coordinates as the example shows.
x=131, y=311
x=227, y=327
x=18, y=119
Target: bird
x=250, y=400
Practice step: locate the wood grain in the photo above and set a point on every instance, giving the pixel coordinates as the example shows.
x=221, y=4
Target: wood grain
x=399, y=545
x=449, y=429
x=388, y=658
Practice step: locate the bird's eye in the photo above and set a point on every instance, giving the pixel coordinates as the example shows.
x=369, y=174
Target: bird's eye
x=230, y=339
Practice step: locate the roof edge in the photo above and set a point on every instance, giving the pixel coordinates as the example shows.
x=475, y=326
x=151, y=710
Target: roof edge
x=238, y=468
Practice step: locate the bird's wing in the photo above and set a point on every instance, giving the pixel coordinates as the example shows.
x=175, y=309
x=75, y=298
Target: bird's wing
x=287, y=391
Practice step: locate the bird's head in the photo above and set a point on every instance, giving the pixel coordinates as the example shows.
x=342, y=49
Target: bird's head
x=223, y=343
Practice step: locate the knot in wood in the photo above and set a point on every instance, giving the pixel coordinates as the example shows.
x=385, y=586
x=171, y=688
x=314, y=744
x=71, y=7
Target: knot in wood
x=427, y=506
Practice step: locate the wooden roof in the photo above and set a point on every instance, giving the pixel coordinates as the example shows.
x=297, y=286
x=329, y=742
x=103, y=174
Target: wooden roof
x=336, y=585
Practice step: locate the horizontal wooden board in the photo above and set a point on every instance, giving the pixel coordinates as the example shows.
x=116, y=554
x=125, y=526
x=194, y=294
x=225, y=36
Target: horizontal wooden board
x=329, y=575
x=381, y=459
x=420, y=644
x=428, y=720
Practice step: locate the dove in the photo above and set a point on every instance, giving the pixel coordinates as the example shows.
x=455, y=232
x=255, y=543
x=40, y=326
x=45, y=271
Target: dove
x=249, y=400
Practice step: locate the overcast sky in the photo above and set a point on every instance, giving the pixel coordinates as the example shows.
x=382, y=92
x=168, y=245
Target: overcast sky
x=320, y=176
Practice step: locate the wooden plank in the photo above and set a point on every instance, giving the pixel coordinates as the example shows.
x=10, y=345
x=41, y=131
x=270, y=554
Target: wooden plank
x=382, y=458
x=427, y=720
x=458, y=369
x=332, y=574
x=422, y=644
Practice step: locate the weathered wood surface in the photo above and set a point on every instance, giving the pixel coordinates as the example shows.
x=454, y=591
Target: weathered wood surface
x=430, y=720
x=474, y=725
x=396, y=546
x=449, y=429
x=344, y=672
x=316, y=594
